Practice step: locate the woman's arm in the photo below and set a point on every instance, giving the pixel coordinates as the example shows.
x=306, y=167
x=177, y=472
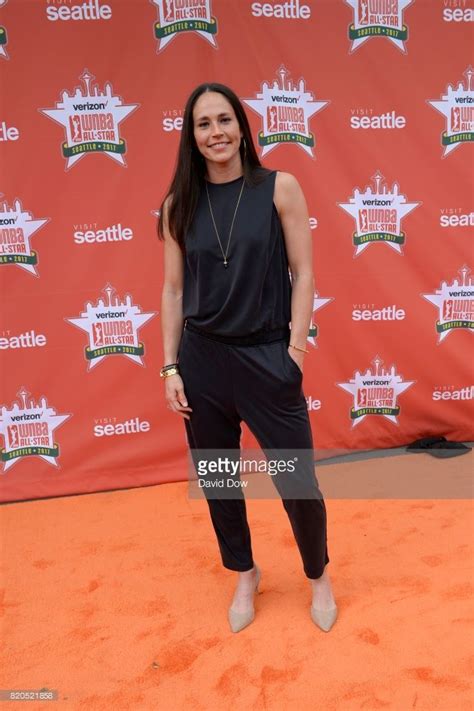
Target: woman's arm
x=172, y=316
x=172, y=294
x=291, y=205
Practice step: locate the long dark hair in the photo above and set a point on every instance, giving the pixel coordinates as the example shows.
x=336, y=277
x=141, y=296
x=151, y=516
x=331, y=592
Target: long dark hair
x=191, y=167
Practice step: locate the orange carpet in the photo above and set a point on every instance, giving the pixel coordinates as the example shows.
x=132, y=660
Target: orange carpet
x=118, y=600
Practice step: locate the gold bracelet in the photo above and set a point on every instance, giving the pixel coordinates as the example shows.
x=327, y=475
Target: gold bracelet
x=168, y=372
x=299, y=349
x=170, y=365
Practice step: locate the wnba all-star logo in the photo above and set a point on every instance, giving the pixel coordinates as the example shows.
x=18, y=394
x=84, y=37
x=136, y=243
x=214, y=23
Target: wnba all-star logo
x=456, y=305
x=3, y=35
x=378, y=214
x=91, y=118
x=17, y=227
x=375, y=392
x=27, y=429
x=378, y=18
x=112, y=327
x=318, y=303
x=457, y=106
x=285, y=109
x=176, y=16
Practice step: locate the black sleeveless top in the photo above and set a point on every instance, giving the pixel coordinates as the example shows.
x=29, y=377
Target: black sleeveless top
x=252, y=295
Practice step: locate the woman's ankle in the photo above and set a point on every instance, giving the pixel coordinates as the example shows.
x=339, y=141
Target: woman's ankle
x=248, y=574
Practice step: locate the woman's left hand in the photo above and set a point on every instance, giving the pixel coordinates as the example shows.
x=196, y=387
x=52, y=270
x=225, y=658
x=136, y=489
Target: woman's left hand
x=297, y=356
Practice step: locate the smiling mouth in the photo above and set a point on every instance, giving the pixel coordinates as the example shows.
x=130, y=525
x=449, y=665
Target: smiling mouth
x=219, y=145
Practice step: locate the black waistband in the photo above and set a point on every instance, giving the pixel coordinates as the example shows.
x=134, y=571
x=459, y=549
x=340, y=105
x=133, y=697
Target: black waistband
x=254, y=339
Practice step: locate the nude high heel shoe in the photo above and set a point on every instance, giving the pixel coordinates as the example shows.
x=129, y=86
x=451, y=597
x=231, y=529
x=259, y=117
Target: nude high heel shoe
x=324, y=619
x=239, y=620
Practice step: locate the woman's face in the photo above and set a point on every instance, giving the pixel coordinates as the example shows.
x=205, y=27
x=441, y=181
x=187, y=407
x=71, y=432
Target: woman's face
x=216, y=128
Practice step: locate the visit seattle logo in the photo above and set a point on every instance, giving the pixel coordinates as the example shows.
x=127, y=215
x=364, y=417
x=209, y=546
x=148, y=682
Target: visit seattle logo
x=457, y=106
x=112, y=328
x=378, y=18
x=91, y=119
x=27, y=428
x=3, y=35
x=17, y=227
x=375, y=392
x=455, y=304
x=285, y=108
x=177, y=16
x=378, y=214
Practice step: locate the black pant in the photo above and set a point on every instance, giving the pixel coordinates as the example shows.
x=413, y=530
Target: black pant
x=260, y=385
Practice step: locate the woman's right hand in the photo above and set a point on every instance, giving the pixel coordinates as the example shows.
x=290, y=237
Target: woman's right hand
x=174, y=393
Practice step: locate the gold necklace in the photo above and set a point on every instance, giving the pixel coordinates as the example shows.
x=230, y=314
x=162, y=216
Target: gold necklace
x=226, y=261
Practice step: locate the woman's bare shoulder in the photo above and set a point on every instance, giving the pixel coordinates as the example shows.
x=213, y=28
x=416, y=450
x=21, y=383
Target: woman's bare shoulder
x=285, y=180
x=287, y=188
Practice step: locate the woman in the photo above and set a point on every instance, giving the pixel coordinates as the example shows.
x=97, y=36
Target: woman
x=231, y=231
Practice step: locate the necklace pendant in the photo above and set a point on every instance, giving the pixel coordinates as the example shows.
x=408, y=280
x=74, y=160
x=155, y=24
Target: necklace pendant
x=226, y=264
